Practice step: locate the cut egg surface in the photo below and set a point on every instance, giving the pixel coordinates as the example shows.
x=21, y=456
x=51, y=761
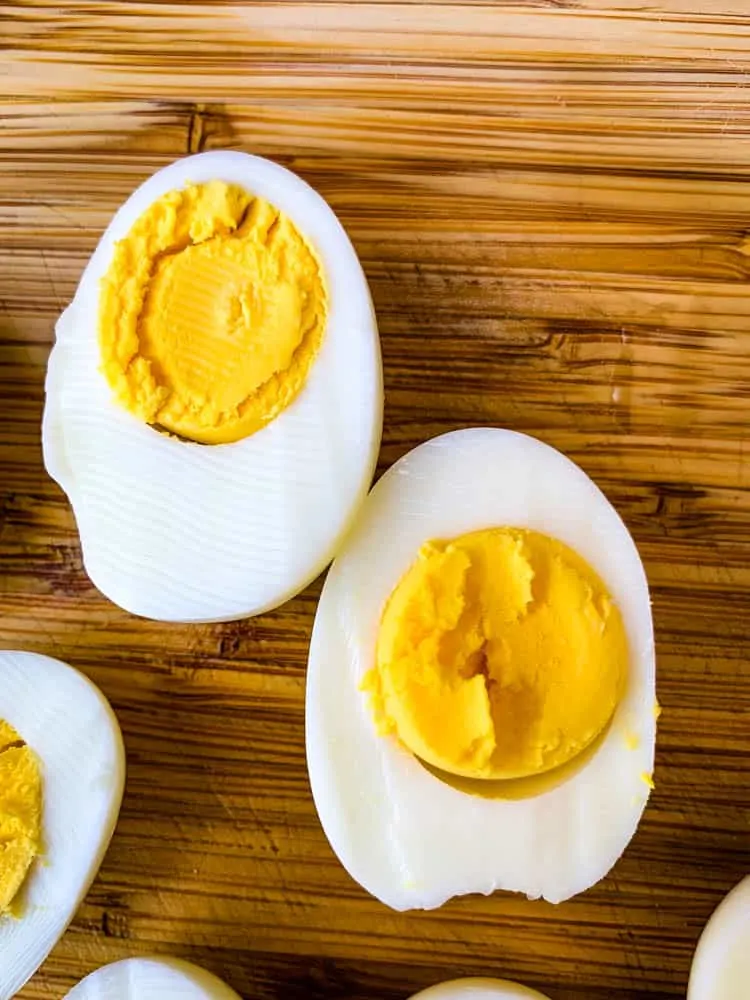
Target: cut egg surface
x=721, y=965
x=479, y=989
x=214, y=395
x=151, y=979
x=62, y=765
x=481, y=706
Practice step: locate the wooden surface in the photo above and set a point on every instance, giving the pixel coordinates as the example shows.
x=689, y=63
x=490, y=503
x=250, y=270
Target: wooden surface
x=551, y=201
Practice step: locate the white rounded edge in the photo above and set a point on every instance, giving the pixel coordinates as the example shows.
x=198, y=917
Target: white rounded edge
x=318, y=772
x=724, y=926
x=140, y=606
x=479, y=989
x=117, y=751
x=193, y=976
x=115, y=733
x=264, y=178
x=118, y=785
x=479, y=432
x=53, y=437
x=342, y=266
x=54, y=664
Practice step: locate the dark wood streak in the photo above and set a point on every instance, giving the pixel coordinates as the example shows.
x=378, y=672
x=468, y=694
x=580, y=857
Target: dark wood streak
x=551, y=201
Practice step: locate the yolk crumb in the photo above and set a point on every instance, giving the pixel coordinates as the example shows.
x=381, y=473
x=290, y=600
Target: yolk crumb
x=632, y=741
x=211, y=313
x=20, y=813
x=499, y=655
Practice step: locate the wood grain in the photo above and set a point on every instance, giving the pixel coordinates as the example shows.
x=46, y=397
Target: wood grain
x=551, y=201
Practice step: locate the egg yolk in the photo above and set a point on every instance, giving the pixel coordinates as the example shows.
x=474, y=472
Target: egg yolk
x=20, y=813
x=211, y=314
x=500, y=655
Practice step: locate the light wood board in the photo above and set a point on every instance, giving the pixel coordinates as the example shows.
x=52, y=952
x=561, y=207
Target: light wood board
x=551, y=201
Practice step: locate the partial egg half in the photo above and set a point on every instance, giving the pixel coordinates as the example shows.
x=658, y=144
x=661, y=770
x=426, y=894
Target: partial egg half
x=63, y=769
x=721, y=966
x=465, y=628
x=151, y=979
x=479, y=989
x=214, y=396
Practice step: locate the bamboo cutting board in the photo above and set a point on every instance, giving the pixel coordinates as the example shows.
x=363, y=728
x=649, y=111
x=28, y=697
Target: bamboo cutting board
x=551, y=201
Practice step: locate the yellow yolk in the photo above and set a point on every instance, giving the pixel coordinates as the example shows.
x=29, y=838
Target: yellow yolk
x=211, y=314
x=20, y=813
x=500, y=655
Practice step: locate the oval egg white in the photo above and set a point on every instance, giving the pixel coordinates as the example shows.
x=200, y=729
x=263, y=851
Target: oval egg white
x=178, y=531
x=721, y=965
x=151, y=979
x=69, y=725
x=479, y=989
x=409, y=838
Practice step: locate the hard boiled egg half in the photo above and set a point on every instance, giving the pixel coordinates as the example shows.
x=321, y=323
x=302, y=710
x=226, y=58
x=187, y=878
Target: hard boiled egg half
x=151, y=979
x=721, y=966
x=214, y=396
x=62, y=770
x=479, y=989
x=481, y=706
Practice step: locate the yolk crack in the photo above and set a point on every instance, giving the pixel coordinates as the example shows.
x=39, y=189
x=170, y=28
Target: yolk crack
x=499, y=655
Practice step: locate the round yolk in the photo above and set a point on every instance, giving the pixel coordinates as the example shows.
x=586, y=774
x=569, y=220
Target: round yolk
x=211, y=314
x=499, y=655
x=20, y=813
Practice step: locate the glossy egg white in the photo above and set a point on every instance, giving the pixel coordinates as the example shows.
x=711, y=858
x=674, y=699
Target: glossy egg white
x=721, y=965
x=71, y=728
x=406, y=836
x=479, y=989
x=151, y=979
x=185, y=532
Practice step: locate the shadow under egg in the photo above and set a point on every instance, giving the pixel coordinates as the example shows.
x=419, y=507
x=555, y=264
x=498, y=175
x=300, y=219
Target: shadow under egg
x=165, y=432
x=521, y=788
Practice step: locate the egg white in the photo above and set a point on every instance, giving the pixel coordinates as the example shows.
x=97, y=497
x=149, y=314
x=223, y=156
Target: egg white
x=721, y=965
x=479, y=989
x=71, y=728
x=151, y=979
x=410, y=839
x=186, y=532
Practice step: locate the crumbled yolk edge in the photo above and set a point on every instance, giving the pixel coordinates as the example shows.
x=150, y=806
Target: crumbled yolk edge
x=500, y=654
x=211, y=313
x=20, y=813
